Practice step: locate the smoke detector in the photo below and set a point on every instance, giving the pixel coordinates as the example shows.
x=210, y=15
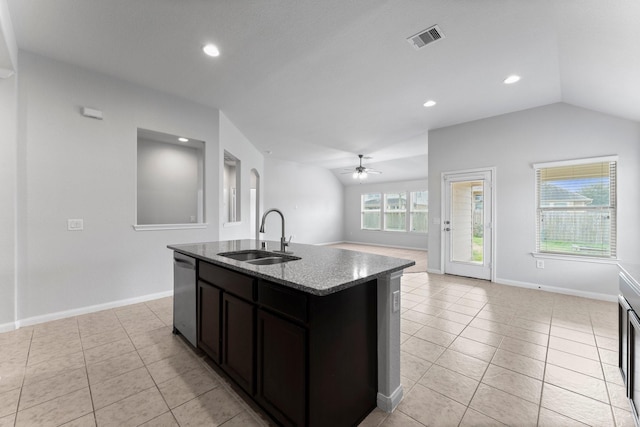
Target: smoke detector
x=425, y=37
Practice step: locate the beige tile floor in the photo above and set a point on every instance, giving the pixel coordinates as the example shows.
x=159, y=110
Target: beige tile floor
x=473, y=354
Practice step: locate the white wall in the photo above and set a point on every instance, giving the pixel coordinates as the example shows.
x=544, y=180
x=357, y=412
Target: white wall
x=311, y=199
x=8, y=170
x=167, y=183
x=353, y=233
x=8, y=189
x=71, y=166
x=512, y=143
x=232, y=140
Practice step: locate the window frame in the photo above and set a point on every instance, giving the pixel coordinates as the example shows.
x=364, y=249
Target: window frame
x=362, y=211
x=611, y=255
x=386, y=211
x=412, y=211
x=382, y=226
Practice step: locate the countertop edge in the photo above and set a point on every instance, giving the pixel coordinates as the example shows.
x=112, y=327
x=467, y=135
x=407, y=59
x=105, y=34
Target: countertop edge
x=310, y=290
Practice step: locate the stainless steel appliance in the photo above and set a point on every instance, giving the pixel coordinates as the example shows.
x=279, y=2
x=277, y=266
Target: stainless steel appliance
x=629, y=339
x=184, y=297
x=633, y=375
x=623, y=336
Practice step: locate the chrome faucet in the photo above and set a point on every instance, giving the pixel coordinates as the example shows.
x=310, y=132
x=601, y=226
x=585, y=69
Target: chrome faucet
x=283, y=240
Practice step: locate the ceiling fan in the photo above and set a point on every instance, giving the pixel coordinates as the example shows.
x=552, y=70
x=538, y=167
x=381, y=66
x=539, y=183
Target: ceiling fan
x=360, y=171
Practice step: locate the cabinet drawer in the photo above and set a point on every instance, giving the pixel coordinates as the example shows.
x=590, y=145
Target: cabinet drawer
x=230, y=281
x=286, y=301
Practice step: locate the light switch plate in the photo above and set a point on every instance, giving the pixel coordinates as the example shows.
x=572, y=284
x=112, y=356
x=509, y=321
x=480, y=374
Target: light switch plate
x=396, y=301
x=75, y=224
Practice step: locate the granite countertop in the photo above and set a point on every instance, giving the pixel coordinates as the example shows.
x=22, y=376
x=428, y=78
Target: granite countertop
x=321, y=271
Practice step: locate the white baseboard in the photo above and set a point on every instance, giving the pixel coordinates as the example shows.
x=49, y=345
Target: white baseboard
x=385, y=246
x=90, y=309
x=8, y=327
x=555, y=289
x=329, y=243
x=389, y=403
x=558, y=290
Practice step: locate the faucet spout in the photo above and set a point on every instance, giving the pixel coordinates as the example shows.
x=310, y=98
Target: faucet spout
x=283, y=239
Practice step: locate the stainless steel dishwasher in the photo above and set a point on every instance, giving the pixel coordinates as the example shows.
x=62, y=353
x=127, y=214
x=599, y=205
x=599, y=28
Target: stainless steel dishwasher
x=184, y=297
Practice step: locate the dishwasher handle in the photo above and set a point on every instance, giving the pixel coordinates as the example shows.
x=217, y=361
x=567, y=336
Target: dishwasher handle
x=185, y=263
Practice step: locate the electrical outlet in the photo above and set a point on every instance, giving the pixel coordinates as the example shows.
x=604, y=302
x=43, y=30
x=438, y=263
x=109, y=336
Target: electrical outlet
x=539, y=263
x=75, y=224
x=396, y=301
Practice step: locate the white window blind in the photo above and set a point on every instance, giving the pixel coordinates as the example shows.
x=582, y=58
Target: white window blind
x=576, y=208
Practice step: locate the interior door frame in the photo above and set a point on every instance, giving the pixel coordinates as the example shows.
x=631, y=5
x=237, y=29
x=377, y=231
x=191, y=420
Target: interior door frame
x=443, y=210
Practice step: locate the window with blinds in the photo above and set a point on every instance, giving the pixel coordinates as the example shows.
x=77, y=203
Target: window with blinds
x=576, y=207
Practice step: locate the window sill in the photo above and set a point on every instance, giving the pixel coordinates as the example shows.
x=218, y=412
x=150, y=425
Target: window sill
x=394, y=231
x=575, y=258
x=155, y=227
x=231, y=224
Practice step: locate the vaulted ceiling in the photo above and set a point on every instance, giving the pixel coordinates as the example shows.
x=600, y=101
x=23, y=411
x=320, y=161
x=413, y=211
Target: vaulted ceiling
x=320, y=81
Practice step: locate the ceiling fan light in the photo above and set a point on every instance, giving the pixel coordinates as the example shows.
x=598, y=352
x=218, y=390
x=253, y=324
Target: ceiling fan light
x=355, y=175
x=363, y=175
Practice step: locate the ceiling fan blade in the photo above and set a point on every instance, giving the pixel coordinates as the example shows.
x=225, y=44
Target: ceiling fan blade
x=373, y=172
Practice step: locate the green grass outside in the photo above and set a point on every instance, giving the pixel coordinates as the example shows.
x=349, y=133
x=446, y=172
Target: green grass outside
x=573, y=247
x=478, y=247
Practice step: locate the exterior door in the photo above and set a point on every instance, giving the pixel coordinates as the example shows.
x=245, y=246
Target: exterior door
x=467, y=231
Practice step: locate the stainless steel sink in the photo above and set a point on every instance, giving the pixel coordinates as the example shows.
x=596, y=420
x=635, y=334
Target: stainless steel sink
x=271, y=260
x=258, y=257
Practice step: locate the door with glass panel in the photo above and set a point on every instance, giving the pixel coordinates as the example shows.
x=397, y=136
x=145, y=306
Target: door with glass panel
x=467, y=234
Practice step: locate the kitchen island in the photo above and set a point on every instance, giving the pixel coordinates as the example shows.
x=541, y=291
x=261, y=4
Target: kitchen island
x=313, y=340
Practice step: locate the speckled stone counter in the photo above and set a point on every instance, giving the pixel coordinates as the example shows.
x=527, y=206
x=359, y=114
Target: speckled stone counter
x=320, y=271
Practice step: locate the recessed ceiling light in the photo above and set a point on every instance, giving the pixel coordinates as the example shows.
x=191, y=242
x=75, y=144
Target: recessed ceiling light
x=511, y=79
x=429, y=103
x=211, y=50
x=183, y=139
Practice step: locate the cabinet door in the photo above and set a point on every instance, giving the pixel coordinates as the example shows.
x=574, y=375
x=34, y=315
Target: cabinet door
x=209, y=305
x=238, y=320
x=282, y=365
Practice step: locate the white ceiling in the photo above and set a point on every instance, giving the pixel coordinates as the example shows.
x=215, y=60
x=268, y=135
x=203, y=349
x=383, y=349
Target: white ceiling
x=321, y=81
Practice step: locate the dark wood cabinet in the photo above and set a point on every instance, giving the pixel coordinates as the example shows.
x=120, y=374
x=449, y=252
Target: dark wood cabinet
x=238, y=340
x=307, y=360
x=209, y=315
x=281, y=368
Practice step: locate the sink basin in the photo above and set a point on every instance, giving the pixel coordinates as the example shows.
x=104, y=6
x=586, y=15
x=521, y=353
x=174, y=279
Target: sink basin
x=271, y=260
x=258, y=257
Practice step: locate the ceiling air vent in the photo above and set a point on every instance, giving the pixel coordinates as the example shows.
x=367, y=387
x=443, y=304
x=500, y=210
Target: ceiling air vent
x=425, y=37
